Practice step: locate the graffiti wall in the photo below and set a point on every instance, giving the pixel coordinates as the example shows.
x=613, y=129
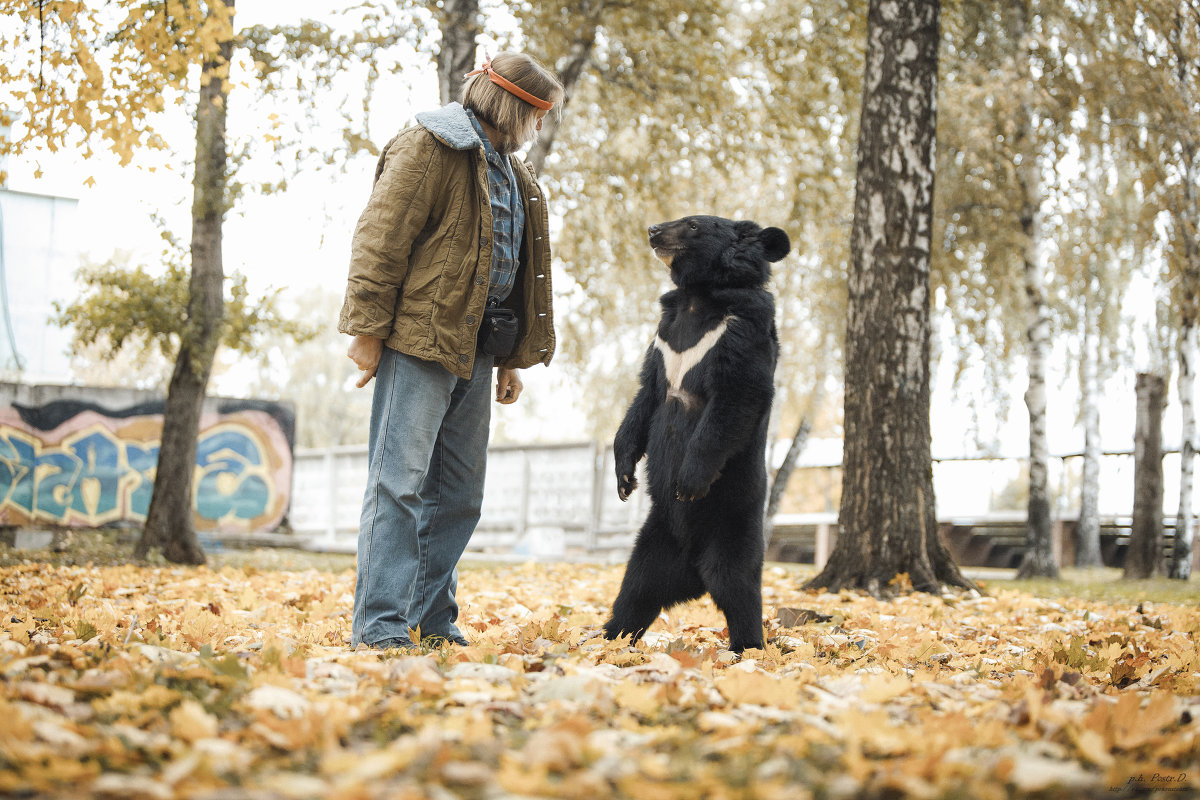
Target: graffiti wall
x=77, y=464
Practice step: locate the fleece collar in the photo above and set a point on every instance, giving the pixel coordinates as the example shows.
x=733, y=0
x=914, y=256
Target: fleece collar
x=452, y=126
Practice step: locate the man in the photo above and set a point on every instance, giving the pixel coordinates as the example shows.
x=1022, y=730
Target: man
x=449, y=277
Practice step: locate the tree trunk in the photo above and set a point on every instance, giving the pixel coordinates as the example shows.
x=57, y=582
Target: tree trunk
x=458, y=21
x=1040, y=558
x=779, y=483
x=1087, y=530
x=887, y=517
x=1185, y=529
x=170, y=525
x=1144, y=559
x=568, y=75
x=1181, y=550
x=782, y=476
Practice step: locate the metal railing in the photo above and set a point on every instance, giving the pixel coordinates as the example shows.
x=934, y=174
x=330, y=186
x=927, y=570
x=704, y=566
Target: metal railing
x=540, y=500
x=557, y=499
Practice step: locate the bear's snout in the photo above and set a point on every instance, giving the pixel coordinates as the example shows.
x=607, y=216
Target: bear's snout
x=660, y=235
x=663, y=249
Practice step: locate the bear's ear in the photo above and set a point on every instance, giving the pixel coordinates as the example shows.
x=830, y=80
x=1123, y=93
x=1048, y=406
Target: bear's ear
x=775, y=243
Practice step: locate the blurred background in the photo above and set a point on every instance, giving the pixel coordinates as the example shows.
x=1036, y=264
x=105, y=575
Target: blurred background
x=740, y=109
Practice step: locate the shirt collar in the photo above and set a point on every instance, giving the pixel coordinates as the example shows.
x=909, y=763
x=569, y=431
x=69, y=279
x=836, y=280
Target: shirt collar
x=488, y=150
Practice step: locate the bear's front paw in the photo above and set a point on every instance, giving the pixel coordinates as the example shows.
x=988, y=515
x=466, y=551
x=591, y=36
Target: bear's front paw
x=626, y=483
x=691, y=486
x=687, y=493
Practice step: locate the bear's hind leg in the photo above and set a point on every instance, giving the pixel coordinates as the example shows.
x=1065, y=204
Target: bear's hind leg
x=658, y=576
x=736, y=589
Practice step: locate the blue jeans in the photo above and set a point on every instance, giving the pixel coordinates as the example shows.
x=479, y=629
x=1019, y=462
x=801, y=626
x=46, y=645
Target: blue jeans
x=428, y=451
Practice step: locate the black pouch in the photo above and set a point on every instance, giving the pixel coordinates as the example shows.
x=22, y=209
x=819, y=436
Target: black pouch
x=498, y=333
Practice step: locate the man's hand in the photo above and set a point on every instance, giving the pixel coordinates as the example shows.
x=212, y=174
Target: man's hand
x=365, y=352
x=508, y=386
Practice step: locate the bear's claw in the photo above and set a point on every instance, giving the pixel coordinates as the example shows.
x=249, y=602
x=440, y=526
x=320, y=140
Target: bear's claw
x=625, y=486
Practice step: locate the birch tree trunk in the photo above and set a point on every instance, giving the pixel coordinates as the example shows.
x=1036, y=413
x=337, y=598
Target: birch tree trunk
x=1087, y=529
x=1040, y=559
x=1185, y=529
x=458, y=21
x=170, y=526
x=1144, y=557
x=888, y=524
x=1181, y=550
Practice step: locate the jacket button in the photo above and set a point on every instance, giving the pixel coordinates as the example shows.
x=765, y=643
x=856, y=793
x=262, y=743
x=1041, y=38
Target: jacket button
x=470, y=319
x=479, y=280
x=483, y=241
x=464, y=358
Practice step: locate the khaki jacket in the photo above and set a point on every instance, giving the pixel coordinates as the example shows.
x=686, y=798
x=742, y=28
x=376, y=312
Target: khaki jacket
x=421, y=256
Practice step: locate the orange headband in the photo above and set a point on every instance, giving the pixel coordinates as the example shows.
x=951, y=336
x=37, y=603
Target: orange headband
x=509, y=86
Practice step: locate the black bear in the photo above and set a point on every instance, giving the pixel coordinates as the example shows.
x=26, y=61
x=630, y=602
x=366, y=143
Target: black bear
x=700, y=418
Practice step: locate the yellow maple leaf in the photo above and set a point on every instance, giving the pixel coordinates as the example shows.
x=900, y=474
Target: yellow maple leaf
x=758, y=688
x=880, y=688
x=641, y=698
x=1091, y=746
x=190, y=722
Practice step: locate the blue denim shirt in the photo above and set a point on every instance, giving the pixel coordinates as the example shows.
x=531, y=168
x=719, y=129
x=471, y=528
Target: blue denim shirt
x=508, y=218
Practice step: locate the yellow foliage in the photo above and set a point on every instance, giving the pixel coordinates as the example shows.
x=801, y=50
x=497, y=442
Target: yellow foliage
x=243, y=678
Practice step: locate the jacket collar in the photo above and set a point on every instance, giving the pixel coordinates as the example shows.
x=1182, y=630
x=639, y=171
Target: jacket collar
x=451, y=125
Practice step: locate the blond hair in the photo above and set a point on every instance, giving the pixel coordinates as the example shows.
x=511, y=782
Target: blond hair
x=504, y=111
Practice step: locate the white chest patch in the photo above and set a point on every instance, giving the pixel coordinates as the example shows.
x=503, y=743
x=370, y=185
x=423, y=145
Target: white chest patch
x=678, y=364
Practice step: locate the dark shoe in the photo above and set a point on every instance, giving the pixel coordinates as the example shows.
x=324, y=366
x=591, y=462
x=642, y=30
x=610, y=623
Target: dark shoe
x=395, y=643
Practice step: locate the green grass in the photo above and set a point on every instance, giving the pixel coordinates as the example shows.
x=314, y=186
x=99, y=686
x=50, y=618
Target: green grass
x=1108, y=585
x=113, y=546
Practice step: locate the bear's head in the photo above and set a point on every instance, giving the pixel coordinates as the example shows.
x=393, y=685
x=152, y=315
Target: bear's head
x=705, y=251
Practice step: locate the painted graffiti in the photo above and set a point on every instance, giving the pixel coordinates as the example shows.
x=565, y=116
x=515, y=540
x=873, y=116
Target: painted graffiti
x=98, y=471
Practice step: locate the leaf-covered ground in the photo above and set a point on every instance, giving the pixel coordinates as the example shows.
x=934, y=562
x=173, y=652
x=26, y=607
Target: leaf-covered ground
x=236, y=682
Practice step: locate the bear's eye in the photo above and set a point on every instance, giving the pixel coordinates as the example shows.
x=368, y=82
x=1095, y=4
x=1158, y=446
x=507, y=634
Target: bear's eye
x=693, y=226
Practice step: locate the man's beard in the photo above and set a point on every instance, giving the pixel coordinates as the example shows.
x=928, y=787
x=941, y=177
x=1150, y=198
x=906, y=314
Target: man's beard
x=511, y=143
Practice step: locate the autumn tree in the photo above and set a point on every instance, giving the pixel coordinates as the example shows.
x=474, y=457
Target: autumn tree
x=1141, y=62
x=1167, y=33
x=132, y=315
x=1044, y=221
x=1106, y=232
x=680, y=107
x=1039, y=560
x=101, y=77
x=887, y=519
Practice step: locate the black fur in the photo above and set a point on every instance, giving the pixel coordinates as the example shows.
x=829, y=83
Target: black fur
x=705, y=439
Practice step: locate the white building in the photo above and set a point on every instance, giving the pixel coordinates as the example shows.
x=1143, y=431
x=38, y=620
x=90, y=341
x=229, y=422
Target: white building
x=38, y=261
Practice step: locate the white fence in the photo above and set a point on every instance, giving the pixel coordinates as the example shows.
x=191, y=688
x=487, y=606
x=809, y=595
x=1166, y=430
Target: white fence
x=538, y=500
x=559, y=500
